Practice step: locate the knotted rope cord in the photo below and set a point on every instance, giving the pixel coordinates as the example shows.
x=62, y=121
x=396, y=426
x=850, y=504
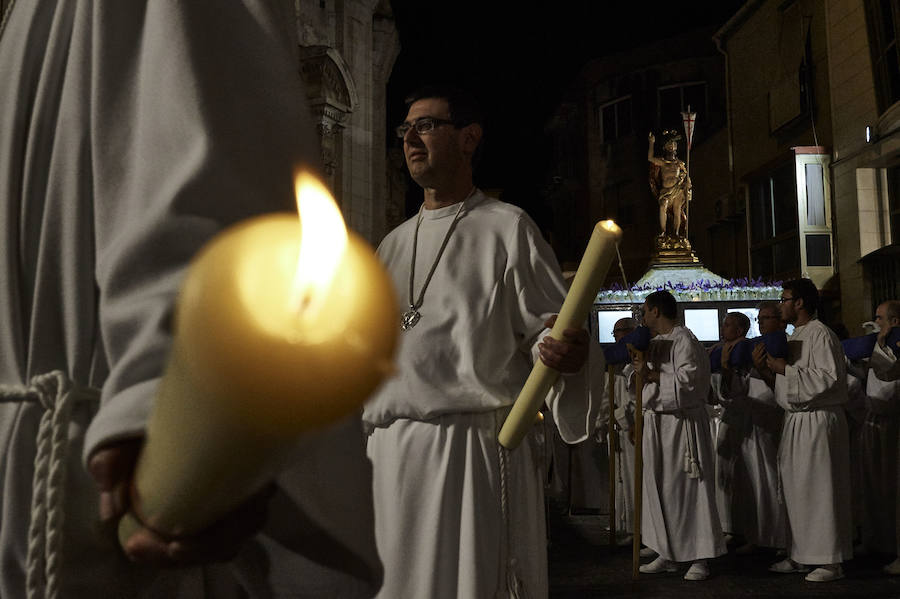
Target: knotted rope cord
x=513, y=584
x=691, y=464
x=54, y=392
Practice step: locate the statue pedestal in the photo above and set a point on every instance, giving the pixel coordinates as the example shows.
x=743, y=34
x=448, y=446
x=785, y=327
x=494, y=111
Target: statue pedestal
x=672, y=251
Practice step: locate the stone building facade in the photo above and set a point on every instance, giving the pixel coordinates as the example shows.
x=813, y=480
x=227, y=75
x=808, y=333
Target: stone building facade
x=865, y=98
x=780, y=141
x=347, y=51
x=816, y=86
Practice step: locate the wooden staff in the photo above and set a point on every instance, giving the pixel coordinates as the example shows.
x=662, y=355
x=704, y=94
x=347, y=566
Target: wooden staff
x=638, y=467
x=611, y=371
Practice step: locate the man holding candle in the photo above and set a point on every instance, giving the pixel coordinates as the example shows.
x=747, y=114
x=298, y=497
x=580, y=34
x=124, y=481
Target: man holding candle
x=456, y=514
x=680, y=521
x=814, y=452
x=132, y=133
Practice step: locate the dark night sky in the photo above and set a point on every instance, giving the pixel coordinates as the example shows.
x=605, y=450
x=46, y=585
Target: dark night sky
x=519, y=58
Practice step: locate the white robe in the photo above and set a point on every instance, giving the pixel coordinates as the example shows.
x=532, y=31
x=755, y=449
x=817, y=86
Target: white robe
x=624, y=455
x=130, y=133
x=814, y=452
x=878, y=448
x=679, y=519
x=441, y=481
x=750, y=444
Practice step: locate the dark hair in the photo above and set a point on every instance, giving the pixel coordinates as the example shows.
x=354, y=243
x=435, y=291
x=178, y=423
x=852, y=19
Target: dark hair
x=743, y=321
x=464, y=108
x=665, y=302
x=806, y=290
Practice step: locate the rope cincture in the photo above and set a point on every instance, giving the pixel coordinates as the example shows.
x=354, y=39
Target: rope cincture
x=55, y=393
x=514, y=587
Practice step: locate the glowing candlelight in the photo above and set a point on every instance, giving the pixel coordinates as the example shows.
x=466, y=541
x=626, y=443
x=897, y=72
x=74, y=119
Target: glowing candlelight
x=588, y=280
x=281, y=327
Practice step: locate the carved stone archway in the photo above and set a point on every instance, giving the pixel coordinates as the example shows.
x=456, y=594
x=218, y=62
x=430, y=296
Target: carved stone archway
x=332, y=99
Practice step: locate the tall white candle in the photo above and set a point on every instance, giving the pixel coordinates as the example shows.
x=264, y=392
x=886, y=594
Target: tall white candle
x=588, y=279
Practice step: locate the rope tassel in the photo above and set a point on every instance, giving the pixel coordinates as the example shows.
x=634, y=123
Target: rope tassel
x=54, y=393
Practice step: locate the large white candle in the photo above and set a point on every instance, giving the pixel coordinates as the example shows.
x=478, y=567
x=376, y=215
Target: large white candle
x=588, y=279
x=282, y=326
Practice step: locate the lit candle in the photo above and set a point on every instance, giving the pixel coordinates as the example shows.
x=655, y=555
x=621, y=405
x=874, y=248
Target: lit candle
x=281, y=327
x=588, y=279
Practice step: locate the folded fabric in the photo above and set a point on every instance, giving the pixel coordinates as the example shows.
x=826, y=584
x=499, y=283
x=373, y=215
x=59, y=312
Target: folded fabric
x=617, y=353
x=741, y=355
x=776, y=344
x=860, y=348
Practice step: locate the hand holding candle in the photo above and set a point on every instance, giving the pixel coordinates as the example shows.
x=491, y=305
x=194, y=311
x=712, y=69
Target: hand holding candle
x=282, y=327
x=588, y=280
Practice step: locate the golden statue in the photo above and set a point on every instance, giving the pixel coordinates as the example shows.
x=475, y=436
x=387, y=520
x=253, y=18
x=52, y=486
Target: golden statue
x=671, y=184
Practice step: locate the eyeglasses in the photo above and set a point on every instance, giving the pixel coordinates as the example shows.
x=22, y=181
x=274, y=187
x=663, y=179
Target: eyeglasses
x=425, y=124
x=614, y=331
x=762, y=318
x=788, y=299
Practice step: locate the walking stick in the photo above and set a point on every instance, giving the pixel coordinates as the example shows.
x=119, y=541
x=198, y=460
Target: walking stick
x=638, y=468
x=612, y=456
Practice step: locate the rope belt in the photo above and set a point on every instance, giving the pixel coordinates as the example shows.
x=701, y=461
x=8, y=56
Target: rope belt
x=56, y=394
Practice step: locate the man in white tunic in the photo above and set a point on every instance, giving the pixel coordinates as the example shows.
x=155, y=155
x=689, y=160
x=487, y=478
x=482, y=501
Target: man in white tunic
x=884, y=383
x=679, y=516
x=732, y=428
x=752, y=411
x=814, y=452
x=879, y=451
x=131, y=133
x=456, y=514
x=623, y=407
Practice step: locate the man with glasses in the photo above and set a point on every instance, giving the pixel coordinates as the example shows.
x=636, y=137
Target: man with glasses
x=814, y=453
x=754, y=425
x=456, y=514
x=680, y=520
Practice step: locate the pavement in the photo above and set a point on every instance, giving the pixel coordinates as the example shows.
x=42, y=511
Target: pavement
x=582, y=566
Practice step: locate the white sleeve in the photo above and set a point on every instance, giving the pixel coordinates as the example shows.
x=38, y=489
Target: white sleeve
x=198, y=121
x=885, y=364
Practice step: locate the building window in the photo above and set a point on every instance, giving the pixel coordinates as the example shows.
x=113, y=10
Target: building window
x=884, y=24
x=675, y=99
x=774, y=234
x=893, y=179
x=614, y=119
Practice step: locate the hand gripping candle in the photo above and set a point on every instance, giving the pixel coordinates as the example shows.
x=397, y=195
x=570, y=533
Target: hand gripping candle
x=588, y=279
x=281, y=327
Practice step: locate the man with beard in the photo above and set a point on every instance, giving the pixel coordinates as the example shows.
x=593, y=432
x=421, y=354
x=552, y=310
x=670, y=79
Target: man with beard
x=814, y=453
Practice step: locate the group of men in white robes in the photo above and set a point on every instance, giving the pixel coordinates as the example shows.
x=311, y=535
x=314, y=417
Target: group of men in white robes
x=783, y=448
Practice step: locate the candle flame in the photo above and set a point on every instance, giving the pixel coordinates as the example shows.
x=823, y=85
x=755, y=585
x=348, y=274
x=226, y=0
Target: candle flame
x=609, y=225
x=323, y=240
